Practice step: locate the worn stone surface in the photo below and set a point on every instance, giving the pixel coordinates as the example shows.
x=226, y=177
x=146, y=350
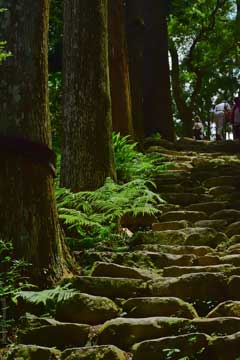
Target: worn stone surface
x=170, y=225
x=226, y=308
x=105, y=352
x=221, y=181
x=159, y=237
x=192, y=286
x=176, y=249
x=231, y=215
x=185, y=198
x=124, y=332
x=154, y=306
x=223, y=348
x=60, y=335
x=110, y=287
x=217, y=326
x=218, y=225
x=191, y=216
x=208, y=207
x=184, y=345
x=118, y=271
x=203, y=236
x=173, y=271
x=32, y=352
x=233, y=229
x=233, y=259
x=217, y=191
x=86, y=309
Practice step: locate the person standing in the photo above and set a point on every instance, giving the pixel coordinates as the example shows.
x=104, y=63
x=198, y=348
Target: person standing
x=219, y=114
x=235, y=119
x=198, y=130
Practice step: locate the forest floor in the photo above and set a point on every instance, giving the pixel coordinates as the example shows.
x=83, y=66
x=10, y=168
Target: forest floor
x=175, y=292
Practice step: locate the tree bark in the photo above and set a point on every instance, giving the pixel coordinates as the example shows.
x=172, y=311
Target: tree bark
x=157, y=96
x=28, y=215
x=119, y=71
x=135, y=36
x=87, y=152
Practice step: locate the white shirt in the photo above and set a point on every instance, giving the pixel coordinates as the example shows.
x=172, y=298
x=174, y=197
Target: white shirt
x=222, y=106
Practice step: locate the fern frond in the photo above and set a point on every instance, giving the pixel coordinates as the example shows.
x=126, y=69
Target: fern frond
x=57, y=294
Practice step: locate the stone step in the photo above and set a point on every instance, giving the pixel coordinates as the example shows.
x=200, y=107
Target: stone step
x=59, y=335
x=104, y=269
x=233, y=259
x=144, y=259
x=110, y=287
x=186, y=198
x=208, y=207
x=225, y=309
x=191, y=216
x=86, y=309
x=221, y=181
x=104, y=352
x=201, y=286
x=188, y=236
x=133, y=330
x=177, y=249
x=218, y=191
x=34, y=352
x=174, y=271
x=29, y=352
x=124, y=332
x=203, y=347
x=158, y=306
x=170, y=225
x=218, y=225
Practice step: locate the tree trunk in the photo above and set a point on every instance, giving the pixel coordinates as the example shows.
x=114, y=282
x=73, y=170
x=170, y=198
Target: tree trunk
x=119, y=72
x=28, y=215
x=135, y=36
x=157, y=97
x=87, y=152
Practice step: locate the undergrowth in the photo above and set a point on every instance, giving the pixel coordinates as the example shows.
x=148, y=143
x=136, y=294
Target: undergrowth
x=94, y=216
x=12, y=280
x=132, y=164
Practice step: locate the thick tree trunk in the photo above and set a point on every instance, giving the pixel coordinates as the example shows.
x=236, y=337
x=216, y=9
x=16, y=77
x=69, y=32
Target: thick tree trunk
x=87, y=153
x=28, y=215
x=157, y=97
x=119, y=72
x=135, y=36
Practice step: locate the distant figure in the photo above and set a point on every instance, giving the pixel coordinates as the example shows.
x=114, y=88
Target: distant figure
x=235, y=119
x=220, y=114
x=198, y=130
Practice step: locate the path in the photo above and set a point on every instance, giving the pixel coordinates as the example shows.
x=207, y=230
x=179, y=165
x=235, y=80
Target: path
x=176, y=293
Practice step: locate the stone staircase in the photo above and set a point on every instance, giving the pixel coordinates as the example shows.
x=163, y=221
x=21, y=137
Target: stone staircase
x=175, y=293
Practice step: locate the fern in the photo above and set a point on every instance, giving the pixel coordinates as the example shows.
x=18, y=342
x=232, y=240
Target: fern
x=132, y=164
x=94, y=216
x=43, y=297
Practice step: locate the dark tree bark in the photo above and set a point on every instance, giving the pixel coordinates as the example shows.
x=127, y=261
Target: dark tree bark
x=135, y=39
x=87, y=153
x=28, y=215
x=119, y=72
x=157, y=97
